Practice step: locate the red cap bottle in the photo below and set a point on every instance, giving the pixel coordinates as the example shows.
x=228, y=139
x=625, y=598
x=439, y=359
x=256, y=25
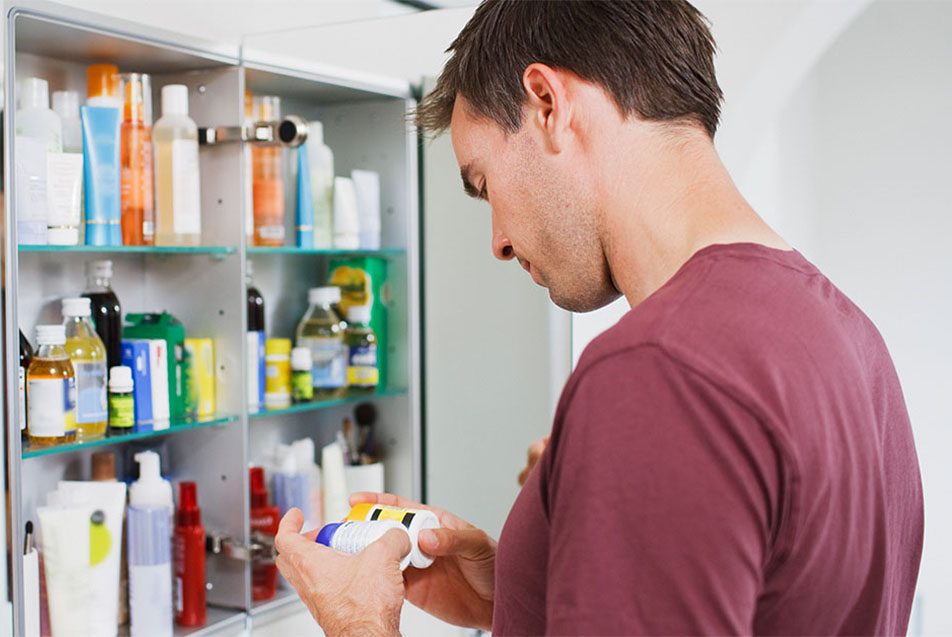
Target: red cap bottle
x=264, y=520
x=189, y=558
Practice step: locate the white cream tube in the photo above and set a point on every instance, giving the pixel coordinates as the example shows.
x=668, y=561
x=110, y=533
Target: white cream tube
x=64, y=182
x=106, y=501
x=65, y=535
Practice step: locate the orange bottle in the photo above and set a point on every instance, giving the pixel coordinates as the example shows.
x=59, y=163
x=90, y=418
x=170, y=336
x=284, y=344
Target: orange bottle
x=267, y=181
x=135, y=162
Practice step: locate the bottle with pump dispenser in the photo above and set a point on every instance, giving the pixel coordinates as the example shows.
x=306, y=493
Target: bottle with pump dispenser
x=51, y=390
x=177, y=185
x=88, y=355
x=268, y=180
x=150, y=559
x=135, y=162
x=189, y=558
x=320, y=331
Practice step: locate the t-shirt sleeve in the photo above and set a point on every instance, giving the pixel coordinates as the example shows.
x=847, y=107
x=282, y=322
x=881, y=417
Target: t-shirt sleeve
x=661, y=492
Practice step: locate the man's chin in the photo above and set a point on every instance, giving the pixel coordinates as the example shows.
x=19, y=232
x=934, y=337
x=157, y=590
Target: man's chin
x=582, y=303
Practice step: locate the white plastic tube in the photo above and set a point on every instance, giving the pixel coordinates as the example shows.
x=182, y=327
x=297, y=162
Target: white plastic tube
x=107, y=501
x=65, y=535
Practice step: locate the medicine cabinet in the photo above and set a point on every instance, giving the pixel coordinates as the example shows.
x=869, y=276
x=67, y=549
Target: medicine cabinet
x=365, y=124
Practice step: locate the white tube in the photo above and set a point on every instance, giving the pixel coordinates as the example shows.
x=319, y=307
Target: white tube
x=65, y=535
x=107, y=501
x=367, y=190
x=64, y=181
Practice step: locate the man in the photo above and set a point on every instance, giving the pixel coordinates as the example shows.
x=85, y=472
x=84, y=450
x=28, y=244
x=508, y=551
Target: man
x=734, y=456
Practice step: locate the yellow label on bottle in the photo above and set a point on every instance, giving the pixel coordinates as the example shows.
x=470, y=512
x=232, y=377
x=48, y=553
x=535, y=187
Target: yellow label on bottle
x=367, y=511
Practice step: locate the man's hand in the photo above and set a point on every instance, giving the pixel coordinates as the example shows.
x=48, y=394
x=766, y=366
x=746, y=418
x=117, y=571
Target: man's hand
x=458, y=586
x=347, y=594
x=535, y=452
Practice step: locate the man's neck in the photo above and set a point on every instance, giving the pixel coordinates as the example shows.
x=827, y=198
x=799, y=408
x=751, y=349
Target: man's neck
x=682, y=201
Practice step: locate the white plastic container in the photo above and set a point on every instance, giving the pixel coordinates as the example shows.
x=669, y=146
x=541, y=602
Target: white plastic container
x=346, y=222
x=177, y=184
x=415, y=520
x=321, y=162
x=64, y=187
x=353, y=537
x=150, y=558
x=34, y=118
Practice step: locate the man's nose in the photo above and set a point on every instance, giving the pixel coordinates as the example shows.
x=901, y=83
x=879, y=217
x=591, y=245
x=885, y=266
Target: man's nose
x=502, y=247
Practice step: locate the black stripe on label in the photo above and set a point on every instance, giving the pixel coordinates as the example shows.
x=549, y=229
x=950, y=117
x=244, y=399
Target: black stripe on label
x=375, y=514
x=407, y=519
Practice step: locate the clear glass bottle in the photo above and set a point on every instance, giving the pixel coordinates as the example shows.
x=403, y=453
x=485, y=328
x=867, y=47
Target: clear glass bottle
x=363, y=374
x=51, y=390
x=106, y=311
x=88, y=355
x=177, y=185
x=320, y=331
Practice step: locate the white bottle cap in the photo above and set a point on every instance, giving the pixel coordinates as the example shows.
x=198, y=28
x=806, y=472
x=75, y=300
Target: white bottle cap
x=315, y=133
x=99, y=269
x=34, y=93
x=66, y=104
x=174, y=99
x=78, y=306
x=150, y=490
x=120, y=379
x=359, y=314
x=301, y=359
x=324, y=296
x=50, y=335
x=62, y=236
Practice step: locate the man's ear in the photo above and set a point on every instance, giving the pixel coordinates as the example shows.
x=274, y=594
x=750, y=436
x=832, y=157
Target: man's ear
x=548, y=105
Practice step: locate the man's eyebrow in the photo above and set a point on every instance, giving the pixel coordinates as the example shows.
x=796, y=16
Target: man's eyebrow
x=468, y=186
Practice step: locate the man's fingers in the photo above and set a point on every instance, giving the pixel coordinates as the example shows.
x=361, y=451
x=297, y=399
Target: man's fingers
x=289, y=532
x=472, y=544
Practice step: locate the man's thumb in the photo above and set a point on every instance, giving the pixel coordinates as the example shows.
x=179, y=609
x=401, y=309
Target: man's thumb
x=393, y=545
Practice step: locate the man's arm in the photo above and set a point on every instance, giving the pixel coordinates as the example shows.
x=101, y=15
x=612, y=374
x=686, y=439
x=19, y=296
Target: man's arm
x=661, y=489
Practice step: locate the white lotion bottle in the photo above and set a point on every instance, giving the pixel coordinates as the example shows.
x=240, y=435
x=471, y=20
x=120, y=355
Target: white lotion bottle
x=150, y=555
x=346, y=220
x=66, y=105
x=178, y=205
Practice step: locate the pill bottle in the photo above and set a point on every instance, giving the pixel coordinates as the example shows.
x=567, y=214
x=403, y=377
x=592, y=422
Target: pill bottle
x=415, y=520
x=121, y=401
x=353, y=536
x=302, y=389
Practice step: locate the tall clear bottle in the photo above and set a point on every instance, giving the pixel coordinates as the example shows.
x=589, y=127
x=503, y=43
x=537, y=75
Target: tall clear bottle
x=106, y=311
x=177, y=190
x=320, y=331
x=135, y=162
x=88, y=355
x=268, y=180
x=51, y=390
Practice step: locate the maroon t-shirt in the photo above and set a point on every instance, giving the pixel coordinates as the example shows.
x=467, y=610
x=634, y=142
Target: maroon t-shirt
x=734, y=456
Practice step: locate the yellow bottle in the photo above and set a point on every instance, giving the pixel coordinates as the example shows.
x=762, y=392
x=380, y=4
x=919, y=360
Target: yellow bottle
x=51, y=390
x=88, y=356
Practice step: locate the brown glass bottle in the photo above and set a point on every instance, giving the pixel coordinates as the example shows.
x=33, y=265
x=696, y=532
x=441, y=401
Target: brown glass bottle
x=106, y=311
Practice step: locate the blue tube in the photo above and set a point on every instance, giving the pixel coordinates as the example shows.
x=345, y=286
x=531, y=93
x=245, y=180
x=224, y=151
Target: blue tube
x=101, y=170
x=305, y=204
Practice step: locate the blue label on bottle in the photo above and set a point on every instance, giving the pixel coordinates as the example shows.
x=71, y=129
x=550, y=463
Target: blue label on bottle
x=91, y=397
x=329, y=362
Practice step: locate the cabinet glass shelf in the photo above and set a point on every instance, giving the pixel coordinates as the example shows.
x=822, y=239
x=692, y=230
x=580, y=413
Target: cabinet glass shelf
x=176, y=427
x=350, y=399
x=210, y=250
x=382, y=252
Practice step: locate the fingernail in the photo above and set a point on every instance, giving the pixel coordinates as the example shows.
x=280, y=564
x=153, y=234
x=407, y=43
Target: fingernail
x=428, y=538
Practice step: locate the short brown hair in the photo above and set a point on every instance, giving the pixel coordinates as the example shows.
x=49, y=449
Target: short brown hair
x=654, y=57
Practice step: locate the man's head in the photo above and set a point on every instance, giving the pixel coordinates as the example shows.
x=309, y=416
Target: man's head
x=530, y=92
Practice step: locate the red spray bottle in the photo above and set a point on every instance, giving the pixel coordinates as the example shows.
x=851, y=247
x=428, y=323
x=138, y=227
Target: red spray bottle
x=189, y=559
x=264, y=520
